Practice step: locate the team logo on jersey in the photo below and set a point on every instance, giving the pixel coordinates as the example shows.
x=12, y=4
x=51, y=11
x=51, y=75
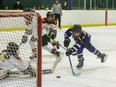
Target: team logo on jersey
x=83, y=37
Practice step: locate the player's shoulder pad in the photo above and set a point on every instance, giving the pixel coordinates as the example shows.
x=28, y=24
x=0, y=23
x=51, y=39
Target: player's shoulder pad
x=44, y=20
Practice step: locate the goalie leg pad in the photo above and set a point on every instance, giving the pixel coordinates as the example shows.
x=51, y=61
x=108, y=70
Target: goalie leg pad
x=32, y=42
x=34, y=53
x=33, y=39
x=29, y=32
x=29, y=71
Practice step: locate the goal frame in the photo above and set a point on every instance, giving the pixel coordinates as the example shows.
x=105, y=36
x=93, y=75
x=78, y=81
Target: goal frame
x=39, y=49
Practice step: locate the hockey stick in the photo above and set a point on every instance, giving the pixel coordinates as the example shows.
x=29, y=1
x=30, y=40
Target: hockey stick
x=46, y=71
x=71, y=65
x=49, y=71
x=79, y=70
x=56, y=41
x=60, y=44
x=20, y=44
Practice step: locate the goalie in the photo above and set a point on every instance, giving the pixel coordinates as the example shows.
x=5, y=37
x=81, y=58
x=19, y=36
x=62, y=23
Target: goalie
x=10, y=59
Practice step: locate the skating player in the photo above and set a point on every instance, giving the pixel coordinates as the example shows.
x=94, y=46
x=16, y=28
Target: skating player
x=82, y=40
x=49, y=24
x=31, y=25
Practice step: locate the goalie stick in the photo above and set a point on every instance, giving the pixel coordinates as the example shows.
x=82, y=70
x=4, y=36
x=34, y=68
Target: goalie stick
x=20, y=44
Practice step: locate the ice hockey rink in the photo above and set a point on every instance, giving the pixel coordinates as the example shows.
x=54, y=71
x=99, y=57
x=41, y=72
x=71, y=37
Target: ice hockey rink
x=94, y=73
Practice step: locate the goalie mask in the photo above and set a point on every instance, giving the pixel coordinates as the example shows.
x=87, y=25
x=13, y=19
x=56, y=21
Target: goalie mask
x=12, y=47
x=76, y=30
x=50, y=17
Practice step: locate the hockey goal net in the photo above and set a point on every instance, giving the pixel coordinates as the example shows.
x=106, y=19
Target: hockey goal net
x=12, y=28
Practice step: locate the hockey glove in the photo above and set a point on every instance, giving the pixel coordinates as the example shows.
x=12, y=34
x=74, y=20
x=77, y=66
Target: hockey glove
x=24, y=39
x=52, y=34
x=69, y=52
x=66, y=42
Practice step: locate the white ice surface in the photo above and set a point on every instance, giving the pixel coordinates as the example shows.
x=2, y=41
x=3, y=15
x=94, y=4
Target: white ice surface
x=94, y=73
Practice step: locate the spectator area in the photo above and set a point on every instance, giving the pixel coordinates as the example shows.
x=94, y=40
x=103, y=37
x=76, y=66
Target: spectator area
x=28, y=3
x=76, y=4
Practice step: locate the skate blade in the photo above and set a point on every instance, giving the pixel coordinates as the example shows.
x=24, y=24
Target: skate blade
x=79, y=70
x=105, y=58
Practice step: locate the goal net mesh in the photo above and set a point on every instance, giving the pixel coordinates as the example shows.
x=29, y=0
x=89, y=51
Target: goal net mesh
x=12, y=29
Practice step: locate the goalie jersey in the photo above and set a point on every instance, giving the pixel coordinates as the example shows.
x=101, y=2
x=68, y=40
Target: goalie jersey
x=9, y=62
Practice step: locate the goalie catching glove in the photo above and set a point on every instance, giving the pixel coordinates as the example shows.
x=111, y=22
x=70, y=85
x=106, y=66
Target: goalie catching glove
x=66, y=42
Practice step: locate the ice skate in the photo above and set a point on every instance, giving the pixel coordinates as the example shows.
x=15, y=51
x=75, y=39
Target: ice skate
x=79, y=67
x=103, y=57
x=80, y=64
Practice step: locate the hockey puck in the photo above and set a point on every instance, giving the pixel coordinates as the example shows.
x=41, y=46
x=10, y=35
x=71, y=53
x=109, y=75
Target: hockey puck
x=58, y=76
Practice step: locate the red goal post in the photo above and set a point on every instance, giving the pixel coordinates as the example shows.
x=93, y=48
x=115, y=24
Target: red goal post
x=18, y=15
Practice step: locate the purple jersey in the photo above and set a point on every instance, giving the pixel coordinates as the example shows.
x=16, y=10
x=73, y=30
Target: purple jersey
x=80, y=42
x=84, y=38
